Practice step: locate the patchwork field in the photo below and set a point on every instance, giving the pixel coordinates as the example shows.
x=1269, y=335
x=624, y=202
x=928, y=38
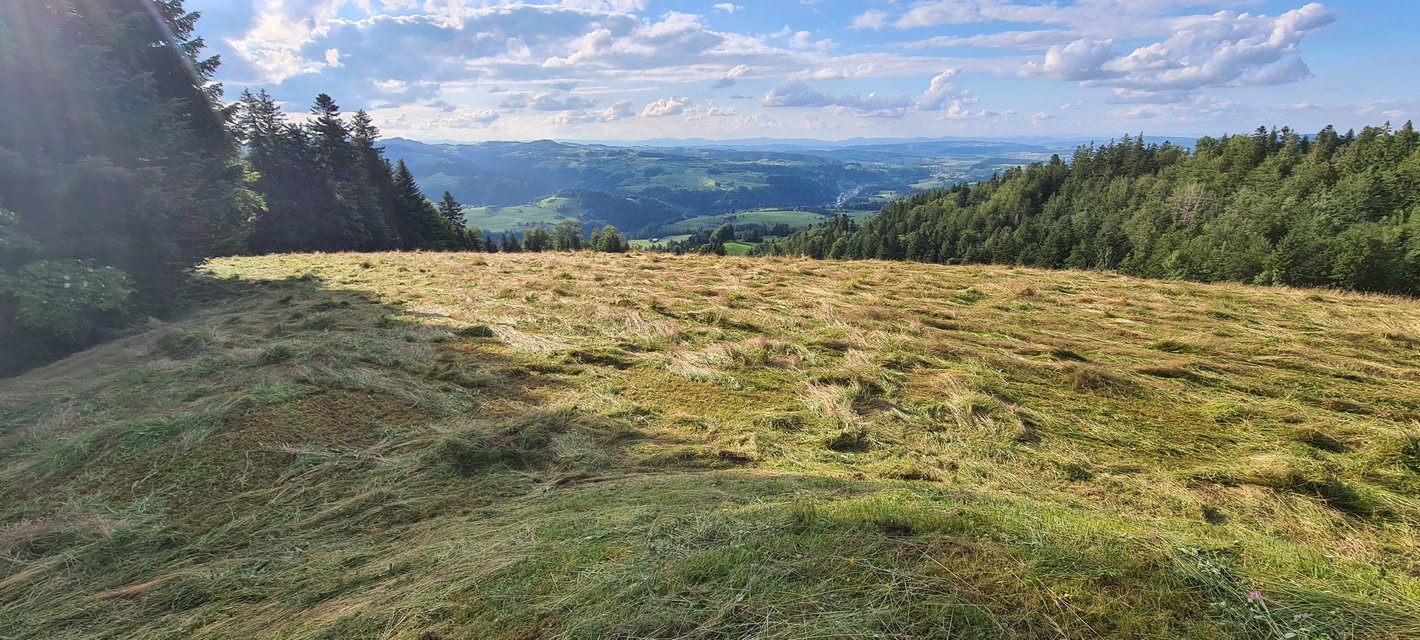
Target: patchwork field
x=544, y=213
x=437, y=446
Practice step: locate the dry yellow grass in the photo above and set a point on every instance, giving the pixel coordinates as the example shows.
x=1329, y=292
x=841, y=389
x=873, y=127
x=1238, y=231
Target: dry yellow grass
x=591, y=445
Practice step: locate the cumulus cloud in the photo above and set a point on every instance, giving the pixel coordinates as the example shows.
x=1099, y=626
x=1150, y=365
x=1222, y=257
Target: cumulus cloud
x=467, y=119
x=429, y=59
x=731, y=77
x=620, y=110
x=1080, y=60
x=666, y=107
x=797, y=93
x=941, y=92
x=546, y=101
x=1223, y=49
x=959, y=112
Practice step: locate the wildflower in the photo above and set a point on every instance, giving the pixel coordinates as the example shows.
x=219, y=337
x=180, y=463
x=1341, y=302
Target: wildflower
x=1254, y=597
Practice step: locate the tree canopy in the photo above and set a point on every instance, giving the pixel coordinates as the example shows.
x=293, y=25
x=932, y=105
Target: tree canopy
x=1271, y=207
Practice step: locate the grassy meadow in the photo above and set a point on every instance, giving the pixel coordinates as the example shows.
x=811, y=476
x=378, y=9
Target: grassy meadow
x=543, y=213
x=767, y=217
x=438, y=446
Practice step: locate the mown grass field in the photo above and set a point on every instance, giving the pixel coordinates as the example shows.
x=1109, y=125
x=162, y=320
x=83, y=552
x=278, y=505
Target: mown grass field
x=435, y=446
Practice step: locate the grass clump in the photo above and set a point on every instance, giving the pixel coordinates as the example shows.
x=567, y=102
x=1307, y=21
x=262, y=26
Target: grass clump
x=181, y=344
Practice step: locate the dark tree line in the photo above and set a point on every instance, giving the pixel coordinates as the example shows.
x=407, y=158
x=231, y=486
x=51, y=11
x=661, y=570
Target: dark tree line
x=1274, y=207
x=325, y=185
x=117, y=168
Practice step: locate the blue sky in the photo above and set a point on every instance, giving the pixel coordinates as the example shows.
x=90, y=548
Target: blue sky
x=831, y=69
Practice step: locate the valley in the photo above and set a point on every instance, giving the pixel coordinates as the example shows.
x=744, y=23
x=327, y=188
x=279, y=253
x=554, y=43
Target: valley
x=649, y=191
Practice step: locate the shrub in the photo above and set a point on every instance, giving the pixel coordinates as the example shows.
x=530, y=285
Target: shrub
x=64, y=296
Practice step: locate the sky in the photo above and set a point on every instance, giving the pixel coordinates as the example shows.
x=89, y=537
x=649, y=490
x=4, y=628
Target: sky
x=466, y=70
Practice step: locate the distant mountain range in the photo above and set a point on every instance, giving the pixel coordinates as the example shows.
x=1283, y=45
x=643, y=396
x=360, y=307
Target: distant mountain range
x=644, y=184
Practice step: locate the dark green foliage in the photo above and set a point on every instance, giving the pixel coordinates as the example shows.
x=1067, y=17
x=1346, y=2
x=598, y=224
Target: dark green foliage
x=608, y=239
x=328, y=187
x=114, y=161
x=537, y=240
x=1273, y=207
x=510, y=243
x=567, y=235
x=451, y=210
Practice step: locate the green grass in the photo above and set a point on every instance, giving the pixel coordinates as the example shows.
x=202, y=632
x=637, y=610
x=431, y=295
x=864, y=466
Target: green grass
x=544, y=213
x=739, y=248
x=631, y=446
x=646, y=243
x=767, y=217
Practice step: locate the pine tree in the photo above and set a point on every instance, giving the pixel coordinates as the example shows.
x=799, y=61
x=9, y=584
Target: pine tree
x=375, y=183
x=418, y=222
x=114, y=158
x=451, y=210
x=537, y=240
x=510, y=243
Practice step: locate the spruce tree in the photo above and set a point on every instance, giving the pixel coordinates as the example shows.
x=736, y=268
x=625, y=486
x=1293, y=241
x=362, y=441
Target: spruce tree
x=451, y=210
x=115, y=160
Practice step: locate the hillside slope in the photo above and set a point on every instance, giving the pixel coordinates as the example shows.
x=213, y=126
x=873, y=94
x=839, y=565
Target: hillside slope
x=441, y=446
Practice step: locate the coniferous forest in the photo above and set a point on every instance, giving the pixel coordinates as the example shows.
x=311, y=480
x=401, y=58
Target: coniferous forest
x=1274, y=207
x=121, y=167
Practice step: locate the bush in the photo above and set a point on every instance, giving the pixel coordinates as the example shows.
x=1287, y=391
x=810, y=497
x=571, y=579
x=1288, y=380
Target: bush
x=64, y=296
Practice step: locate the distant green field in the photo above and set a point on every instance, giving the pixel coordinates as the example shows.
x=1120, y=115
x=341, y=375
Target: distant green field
x=545, y=213
x=646, y=244
x=708, y=175
x=739, y=248
x=768, y=217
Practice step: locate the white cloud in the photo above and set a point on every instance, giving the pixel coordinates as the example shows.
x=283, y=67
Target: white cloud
x=556, y=100
x=941, y=91
x=422, y=60
x=874, y=20
x=797, y=93
x=666, y=107
x=619, y=111
x=731, y=76
x=467, y=119
x=1200, y=108
x=959, y=112
x=1080, y=60
x=1000, y=40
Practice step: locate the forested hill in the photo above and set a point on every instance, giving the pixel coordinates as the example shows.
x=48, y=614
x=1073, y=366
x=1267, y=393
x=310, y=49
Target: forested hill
x=1273, y=207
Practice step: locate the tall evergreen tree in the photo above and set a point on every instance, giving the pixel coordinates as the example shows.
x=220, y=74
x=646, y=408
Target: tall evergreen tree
x=451, y=210
x=114, y=159
x=418, y=222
